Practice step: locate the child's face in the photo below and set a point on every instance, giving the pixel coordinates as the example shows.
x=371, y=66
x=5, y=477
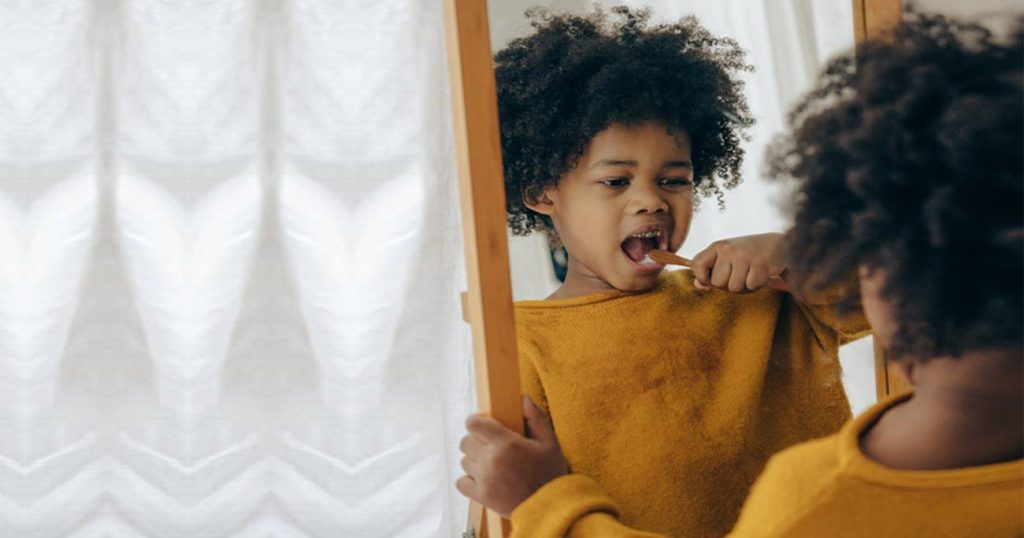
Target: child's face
x=631, y=191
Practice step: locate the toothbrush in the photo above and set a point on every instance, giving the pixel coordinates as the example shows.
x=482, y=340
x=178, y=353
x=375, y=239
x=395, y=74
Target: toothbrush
x=668, y=258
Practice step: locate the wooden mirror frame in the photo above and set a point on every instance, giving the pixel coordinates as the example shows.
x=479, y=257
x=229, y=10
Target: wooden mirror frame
x=871, y=18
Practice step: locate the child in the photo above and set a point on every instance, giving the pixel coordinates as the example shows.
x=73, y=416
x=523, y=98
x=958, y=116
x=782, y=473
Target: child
x=668, y=398
x=913, y=174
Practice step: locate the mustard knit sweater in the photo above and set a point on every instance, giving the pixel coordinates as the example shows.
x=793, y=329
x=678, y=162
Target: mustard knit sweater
x=671, y=401
x=829, y=487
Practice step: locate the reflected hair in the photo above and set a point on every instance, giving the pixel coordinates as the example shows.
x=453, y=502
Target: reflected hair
x=575, y=76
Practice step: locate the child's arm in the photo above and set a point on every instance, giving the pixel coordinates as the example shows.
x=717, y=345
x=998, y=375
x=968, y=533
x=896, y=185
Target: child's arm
x=746, y=263
x=490, y=448
x=829, y=324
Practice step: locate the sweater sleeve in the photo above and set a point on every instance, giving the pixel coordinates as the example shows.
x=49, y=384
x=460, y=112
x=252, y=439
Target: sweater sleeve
x=574, y=506
x=529, y=379
x=828, y=324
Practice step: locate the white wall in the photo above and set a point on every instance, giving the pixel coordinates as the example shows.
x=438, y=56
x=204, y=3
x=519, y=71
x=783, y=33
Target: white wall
x=996, y=14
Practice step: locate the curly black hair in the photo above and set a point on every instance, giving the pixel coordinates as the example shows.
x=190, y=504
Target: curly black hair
x=577, y=75
x=908, y=159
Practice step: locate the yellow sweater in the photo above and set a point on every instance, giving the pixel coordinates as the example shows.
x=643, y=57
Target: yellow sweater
x=830, y=488
x=671, y=401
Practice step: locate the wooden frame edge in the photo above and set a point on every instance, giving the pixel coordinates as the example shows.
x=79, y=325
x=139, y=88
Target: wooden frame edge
x=487, y=304
x=871, y=18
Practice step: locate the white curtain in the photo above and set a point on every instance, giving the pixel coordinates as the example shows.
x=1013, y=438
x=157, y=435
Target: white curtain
x=230, y=270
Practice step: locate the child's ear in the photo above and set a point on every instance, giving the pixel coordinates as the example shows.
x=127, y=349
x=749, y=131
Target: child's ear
x=538, y=200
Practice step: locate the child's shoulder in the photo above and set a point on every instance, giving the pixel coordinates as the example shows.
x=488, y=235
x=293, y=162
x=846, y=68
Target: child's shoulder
x=669, y=284
x=806, y=464
x=793, y=481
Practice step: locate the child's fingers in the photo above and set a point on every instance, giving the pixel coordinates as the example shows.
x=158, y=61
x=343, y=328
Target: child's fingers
x=702, y=264
x=471, y=466
x=757, y=278
x=720, y=274
x=778, y=284
x=485, y=428
x=738, y=277
x=471, y=446
x=538, y=425
x=467, y=486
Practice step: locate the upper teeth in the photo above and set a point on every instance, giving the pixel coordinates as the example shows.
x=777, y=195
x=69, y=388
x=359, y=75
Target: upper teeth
x=653, y=233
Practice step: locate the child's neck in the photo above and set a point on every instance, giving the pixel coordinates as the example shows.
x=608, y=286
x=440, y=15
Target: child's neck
x=577, y=284
x=965, y=412
x=569, y=290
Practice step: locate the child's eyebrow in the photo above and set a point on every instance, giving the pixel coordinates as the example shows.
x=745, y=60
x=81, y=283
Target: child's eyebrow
x=627, y=162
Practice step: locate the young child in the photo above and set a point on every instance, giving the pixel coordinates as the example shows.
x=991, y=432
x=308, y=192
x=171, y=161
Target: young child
x=913, y=173
x=668, y=398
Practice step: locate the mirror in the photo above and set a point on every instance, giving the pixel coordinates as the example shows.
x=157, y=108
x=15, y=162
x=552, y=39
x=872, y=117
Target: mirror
x=600, y=391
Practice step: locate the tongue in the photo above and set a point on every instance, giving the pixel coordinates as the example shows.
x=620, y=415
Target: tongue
x=637, y=247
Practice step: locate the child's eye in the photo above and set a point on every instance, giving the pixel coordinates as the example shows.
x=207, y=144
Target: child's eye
x=615, y=182
x=676, y=182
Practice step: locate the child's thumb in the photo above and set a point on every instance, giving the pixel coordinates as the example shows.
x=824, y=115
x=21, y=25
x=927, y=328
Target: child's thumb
x=778, y=284
x=538, y=425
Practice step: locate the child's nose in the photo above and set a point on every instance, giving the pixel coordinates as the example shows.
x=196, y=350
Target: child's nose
x=648, y=200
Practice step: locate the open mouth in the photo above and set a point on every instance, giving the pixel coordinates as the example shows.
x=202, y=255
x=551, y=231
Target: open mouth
x=638, y=245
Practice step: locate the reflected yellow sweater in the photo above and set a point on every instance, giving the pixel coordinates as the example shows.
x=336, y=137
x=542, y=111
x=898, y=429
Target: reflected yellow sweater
x=670, y=401
x=830, y=488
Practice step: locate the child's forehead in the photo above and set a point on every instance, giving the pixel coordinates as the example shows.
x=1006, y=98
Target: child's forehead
x=644, y=137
